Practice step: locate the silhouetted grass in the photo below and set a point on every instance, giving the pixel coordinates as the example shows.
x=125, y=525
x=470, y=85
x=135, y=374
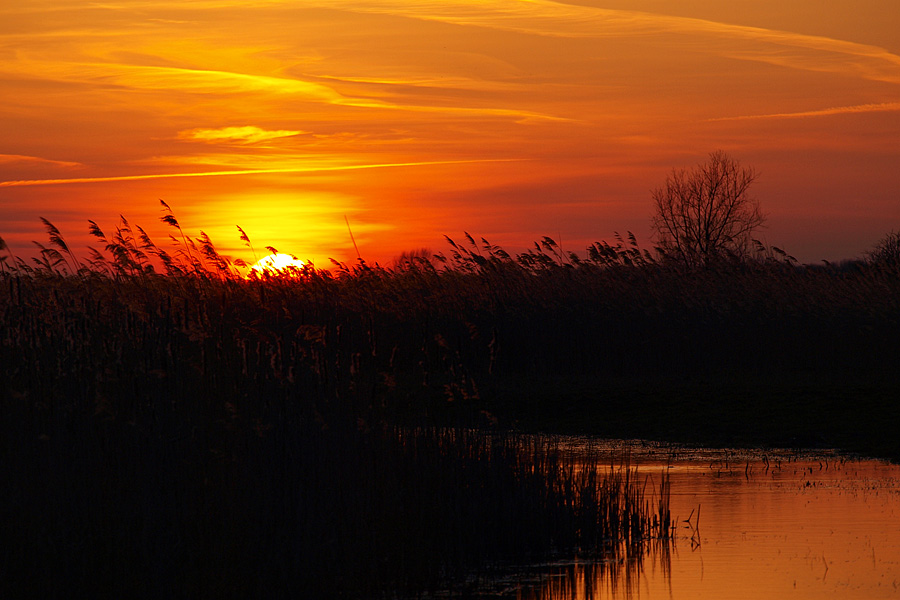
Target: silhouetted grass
x=170, y=427
x=193, y=433
x=183, y=508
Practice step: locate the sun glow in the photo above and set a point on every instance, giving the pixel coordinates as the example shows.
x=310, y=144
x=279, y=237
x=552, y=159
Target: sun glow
x=415, y=120
x=278, y=264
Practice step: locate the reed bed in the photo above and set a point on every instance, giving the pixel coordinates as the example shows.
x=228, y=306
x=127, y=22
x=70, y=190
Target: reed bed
x=170, y=427
x=179, y=506
x=177, y=430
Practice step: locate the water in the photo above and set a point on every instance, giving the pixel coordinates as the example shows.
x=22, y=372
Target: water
x=761, y=525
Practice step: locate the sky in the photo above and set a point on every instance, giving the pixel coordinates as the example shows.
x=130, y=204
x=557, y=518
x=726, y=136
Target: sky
x=409, y=120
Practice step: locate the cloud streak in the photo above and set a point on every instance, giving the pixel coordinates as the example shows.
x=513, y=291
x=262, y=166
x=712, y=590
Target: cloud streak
x=248, y=134
x=19, y=158
x=548, y=18
x=195, y=80
x=825, y=112
x=33, y=182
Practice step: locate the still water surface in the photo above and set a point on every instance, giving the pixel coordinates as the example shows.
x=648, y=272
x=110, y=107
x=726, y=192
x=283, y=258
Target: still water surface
x=771, y=525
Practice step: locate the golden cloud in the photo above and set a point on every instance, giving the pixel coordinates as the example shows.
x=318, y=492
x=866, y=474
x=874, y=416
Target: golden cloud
x=247, y=134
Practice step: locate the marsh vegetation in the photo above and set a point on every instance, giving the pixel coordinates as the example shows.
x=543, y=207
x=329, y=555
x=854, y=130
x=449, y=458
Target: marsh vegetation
x=195, y=433
x=170, y=426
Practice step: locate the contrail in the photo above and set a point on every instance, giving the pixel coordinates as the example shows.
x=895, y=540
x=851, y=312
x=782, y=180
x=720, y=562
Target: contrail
x=825, y=112
x=28, y=182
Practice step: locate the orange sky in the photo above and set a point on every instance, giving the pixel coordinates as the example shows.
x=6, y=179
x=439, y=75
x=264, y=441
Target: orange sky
x=415, y=118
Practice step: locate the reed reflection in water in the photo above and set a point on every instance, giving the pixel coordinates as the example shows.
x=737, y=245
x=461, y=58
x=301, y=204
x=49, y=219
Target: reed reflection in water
x=774, y=525
x=616, y=577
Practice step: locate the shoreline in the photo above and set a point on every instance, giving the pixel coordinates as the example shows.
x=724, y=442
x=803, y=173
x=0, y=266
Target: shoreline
x=856, y=416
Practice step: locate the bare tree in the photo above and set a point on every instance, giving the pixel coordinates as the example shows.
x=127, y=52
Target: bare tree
x=886, y=252
x=705, y=213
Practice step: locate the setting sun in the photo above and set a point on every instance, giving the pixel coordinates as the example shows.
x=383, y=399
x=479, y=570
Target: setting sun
x=278, y=264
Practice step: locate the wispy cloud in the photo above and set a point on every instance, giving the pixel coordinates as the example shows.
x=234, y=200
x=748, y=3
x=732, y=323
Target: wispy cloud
x=195, y=80
x=189, y=79
x=548, y=18
x=443, y=82
x=22, y=159
x=247, y=134
x=316, y=169
x=824, y=112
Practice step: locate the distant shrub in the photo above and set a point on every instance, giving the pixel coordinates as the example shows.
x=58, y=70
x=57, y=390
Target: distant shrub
x=886, y=252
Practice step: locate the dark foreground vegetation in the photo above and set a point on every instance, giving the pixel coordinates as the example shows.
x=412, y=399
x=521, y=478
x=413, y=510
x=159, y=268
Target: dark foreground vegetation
x=179, y=430
x=194, y=434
